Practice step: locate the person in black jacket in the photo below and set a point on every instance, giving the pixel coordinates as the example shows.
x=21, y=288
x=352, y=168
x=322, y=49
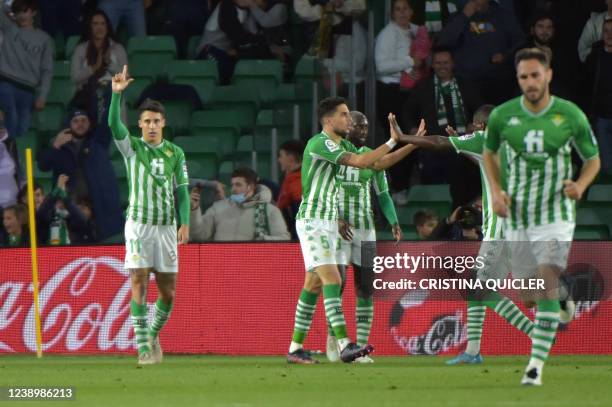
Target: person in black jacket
x=442, y=100
x=81, y=152
x=599, y=73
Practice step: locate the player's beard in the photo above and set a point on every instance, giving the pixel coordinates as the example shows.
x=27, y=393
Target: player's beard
x=341, y=133
x=539, y=95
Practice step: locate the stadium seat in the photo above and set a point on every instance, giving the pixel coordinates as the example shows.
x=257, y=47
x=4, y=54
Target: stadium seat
x=225, y=172
x=592, y=232
x=203, y=75
x=285, y=96
x=601, y=193
x=61, y=69
x=230, y=119
x=262, y=164
x=264, y=74
x=30, y=140
x=192, y=46
x=71, y=44
x=204, y=167
x=141, y=68
x=218, y=144
x=156, y=49
x=50, y=119
x=308, y=70
x=61, y=92
x=44, y=179
x=240, y=98
x=133, y=92
x=267, y=119
x=178, y=114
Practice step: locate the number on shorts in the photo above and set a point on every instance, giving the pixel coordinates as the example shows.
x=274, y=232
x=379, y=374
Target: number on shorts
x=325, y=242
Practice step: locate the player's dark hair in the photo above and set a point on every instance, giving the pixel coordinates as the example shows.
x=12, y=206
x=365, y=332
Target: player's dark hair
x=248, y=174
x=395, y=1
x=24, y=5
x=542, y=16
x=294, y=148
x=538, y=54
x=441, y=49
x=481, y=115
x=23, y=192
x=328, y=106
x=424, y=216
x=150, y=105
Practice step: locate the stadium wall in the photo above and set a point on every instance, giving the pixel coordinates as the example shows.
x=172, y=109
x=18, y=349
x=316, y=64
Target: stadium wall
x=239, y=299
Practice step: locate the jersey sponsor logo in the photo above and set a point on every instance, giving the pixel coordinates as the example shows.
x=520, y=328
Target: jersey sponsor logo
x=349, y=174
x=514, y=121
x=467, y=136
x=557, y=120
x=331, y=146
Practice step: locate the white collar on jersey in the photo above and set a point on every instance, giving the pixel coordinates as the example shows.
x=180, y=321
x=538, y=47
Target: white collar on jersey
x=152, y=146
x=541, y=112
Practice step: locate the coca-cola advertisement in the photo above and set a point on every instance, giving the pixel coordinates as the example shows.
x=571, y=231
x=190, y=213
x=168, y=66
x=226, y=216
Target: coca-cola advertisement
x=249, y=291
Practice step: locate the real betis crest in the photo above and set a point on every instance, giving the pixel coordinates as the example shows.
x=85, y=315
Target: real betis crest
x=168, y=152
x=558, y=120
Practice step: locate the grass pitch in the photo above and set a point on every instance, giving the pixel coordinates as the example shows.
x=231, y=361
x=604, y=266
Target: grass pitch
x=220, y=381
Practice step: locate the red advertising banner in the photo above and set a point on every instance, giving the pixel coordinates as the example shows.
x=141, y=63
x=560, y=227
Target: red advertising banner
x=240, y=299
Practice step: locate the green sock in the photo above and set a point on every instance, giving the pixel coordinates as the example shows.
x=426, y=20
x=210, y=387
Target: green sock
x=364, y=313
x=162, y=312
x=545, y=330
x=510, y=312
x=139, y=321
x=476, y=312
x=303, y=315
x=333, y=309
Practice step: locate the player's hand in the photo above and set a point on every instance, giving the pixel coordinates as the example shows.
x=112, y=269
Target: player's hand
x=121, y=80
x=422, y=130
x=454, y=216
x=39, y=104
x=501, y=204
x=63, y=137
x=61, y=181
x=220, y=191
x=194, y=198
x=346, y=230
x=396, y=132
x=450, y=131
x=183, y=234
x=572, y=190
x=397, y=232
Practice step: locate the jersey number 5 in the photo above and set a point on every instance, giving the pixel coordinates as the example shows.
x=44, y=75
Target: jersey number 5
x=534, y=141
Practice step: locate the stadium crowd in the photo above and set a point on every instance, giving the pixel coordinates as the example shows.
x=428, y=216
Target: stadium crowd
x=435, y=59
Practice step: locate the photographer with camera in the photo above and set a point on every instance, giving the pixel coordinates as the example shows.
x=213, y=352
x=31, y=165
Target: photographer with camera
x=463, y=224
x=81, y=152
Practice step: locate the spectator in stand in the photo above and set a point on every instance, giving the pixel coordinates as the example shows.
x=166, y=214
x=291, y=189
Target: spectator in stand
x=185, y=19
x=592, y=31
x=10, y=175
x=131, y=12
x=271, y=18
x=483, y=38
x=26, y=66
x=542, y=35
x=96, y=58
x=425, y=222
x=398, y=66
x=325, y=20
x=463, y=224
x=81, y=152
x=247, y=215
x=68, y=222
x=230, y=34
x=599, y=70
x=42, y=227
x=290, y=156
x=15, y=222
x=434, y=14
x=61, y=16
x=443, y=100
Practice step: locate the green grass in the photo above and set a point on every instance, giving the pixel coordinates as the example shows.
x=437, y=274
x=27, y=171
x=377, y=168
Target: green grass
x=186, y=381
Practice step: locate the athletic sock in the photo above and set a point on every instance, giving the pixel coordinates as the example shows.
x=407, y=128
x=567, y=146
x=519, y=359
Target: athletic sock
x=544, y=332
x=364, y=313
x=139, y=321
x=333, y=310
x=303, y=318
x=162, y=312
x=509, y=311
x=475, y=318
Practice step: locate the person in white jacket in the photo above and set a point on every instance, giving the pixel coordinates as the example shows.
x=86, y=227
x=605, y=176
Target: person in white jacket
x=247, y=215
x=592, y=31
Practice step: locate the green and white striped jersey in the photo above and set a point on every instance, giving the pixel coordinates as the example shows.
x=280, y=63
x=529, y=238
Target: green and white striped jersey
x=153, y=173
x=355, y=202
x=319, y=171
x=473, y=146
x=539, y=157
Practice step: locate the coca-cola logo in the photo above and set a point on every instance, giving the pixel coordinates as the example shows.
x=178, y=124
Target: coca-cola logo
x=445, y=332
x=84, y=304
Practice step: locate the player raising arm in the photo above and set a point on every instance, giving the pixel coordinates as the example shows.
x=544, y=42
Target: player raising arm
x=155, y=167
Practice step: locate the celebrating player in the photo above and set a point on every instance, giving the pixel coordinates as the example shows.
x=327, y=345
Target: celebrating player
x=493, y=249
x=317, y=226
x=154, y=167
x=539, y=130
x=358, y=225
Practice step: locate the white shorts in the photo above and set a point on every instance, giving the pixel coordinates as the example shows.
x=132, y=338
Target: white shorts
x=539, y=245
x=151, y=246
x=496, y=255
x=350, y=252
x=319, y=241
